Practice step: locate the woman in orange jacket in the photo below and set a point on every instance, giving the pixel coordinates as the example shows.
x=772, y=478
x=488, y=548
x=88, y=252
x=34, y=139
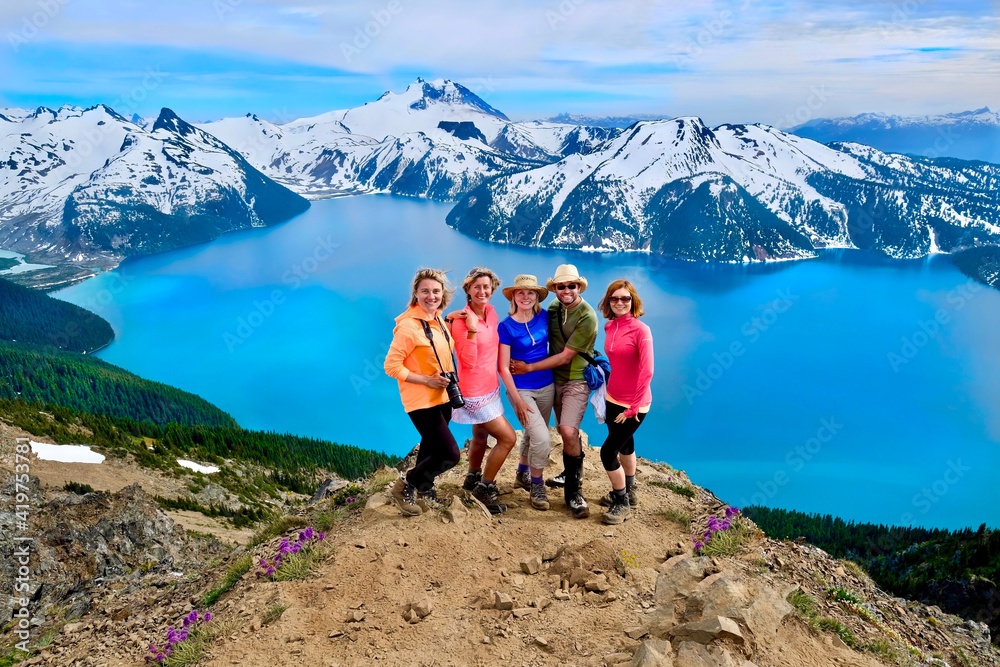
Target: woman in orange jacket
x=417, y=362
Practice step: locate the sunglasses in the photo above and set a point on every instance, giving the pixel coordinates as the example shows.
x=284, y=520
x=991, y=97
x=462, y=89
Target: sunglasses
x=570, y=286
x=619, y=299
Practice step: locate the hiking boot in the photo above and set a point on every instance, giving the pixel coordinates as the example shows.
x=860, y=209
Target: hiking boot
x=488, y=494
x=402, y=493
x=523, y=480
x=539, y=500
x=578, y=507
x=619, y=510
x=633, y=497
x=429, y=498
x=472, y=478
x=558, y=481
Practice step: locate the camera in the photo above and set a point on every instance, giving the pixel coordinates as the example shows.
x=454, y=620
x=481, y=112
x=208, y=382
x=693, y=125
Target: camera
x=454, y=393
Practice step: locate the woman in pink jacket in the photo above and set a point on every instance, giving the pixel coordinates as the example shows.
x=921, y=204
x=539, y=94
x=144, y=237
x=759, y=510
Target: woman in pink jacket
x=629, y=347
x=477, y=344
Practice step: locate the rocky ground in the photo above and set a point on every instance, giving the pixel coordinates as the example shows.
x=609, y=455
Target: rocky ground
x=456, y=586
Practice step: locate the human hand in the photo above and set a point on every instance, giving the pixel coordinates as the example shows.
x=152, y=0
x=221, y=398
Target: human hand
x=437, y=381
x=620, y=419
x=522, y=409
x=457, y=314
x=518, y=367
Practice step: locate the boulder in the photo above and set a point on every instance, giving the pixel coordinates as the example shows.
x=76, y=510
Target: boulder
x=681, y=577
x=756, y=605
x=661, y=621
x=502, y=601
x=708, y=630
x=692, y=654
x=652, y=653
x=531, y=564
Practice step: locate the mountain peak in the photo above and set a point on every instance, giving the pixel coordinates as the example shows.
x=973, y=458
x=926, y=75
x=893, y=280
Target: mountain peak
x=171, y=122
x=422, y=94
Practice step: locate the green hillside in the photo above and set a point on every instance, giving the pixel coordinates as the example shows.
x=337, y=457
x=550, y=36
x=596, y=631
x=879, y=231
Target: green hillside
x=87, y=384
x=30, y=316
x=956, y=570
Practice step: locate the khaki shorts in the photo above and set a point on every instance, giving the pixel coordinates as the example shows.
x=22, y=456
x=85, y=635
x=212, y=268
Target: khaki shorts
x=571, y=403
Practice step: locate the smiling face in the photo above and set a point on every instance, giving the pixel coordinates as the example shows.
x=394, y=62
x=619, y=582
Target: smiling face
x=620, y=302
x=525, y=299
x=567, y=293
x=429, y=295
x=480, y=291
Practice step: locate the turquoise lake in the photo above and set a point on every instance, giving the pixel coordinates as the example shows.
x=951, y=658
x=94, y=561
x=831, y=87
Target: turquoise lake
x=849, y=384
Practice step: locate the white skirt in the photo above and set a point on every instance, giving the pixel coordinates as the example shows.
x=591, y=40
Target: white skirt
x=479, y=409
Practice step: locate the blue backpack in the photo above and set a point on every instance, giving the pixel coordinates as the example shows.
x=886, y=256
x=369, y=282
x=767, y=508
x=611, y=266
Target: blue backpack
x=595, y=378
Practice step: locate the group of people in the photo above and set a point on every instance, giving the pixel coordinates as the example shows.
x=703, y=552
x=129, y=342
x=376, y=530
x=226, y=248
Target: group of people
x=450, y=368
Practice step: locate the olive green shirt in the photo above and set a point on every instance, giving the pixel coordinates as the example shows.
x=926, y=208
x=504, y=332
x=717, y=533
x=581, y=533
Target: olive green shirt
x=576, y=329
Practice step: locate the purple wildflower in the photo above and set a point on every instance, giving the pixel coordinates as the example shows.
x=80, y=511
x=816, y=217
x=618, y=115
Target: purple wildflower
x=263, y=562
x=725, y=524
x=698, y=546
x=321, y=536
x=270, y=571
x=184, y=636
x=707, y=535
x=159, y=657
x=297, y=548
x=207, y=616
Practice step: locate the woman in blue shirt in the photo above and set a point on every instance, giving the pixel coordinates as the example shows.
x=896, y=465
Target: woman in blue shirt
x=524, y=335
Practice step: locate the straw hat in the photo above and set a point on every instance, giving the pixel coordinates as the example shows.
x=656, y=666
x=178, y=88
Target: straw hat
x=525, y=281
x=566, y=273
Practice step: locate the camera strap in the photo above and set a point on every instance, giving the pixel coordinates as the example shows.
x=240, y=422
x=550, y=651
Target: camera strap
x=430, y=337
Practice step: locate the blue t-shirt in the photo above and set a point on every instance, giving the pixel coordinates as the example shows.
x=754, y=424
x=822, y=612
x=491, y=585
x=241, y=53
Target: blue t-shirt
x=529, y=343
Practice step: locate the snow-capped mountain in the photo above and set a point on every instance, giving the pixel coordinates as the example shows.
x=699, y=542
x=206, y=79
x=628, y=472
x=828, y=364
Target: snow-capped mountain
x=737, y=193
x=436, y=139
x=86, y=185
x=603, y=121
x=969, y=135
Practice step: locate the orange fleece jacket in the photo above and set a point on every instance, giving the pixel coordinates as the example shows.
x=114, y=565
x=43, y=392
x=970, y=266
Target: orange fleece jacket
x=410, y=352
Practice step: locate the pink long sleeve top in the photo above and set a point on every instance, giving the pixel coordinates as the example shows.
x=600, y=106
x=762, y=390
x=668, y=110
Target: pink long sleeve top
x=629, y=346
x=477, y=356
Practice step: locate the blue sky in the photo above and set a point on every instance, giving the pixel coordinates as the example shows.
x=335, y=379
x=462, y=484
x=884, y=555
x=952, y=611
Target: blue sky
x=726, y=61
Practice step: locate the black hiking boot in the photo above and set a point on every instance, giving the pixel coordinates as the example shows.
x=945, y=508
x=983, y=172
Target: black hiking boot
x=574, y=482
x=472, y=478
x=633, y=496
x=429, y=498
x=558, y=481
x=619, y=510
x=488, y=494
x=522, y=480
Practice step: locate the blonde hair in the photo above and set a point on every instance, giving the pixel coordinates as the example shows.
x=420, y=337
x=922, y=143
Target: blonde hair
x=475, y=274
x=538, y=300
x=616, y=285
x=432, y=274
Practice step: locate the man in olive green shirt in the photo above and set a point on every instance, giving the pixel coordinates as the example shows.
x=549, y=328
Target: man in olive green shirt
x=572, y=329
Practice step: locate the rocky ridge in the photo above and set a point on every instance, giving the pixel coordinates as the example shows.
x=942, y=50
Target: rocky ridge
x=456, y=586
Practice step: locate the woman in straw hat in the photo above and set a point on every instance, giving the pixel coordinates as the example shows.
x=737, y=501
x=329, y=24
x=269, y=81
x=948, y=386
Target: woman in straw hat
x=477, y=345
x=524, y=335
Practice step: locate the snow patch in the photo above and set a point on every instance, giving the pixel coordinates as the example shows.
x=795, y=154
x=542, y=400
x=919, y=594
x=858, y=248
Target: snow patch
x=197, y=467
x=65, y=453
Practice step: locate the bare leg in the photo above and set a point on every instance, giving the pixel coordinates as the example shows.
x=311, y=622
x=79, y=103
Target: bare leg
x=477, y=450
x=571, y=439
x=628, y=464
x=617, y=478
x=500, y=429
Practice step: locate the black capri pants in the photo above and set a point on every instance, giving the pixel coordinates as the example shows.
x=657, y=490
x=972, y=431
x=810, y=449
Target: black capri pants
x=620, y=439
x=438, y=450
